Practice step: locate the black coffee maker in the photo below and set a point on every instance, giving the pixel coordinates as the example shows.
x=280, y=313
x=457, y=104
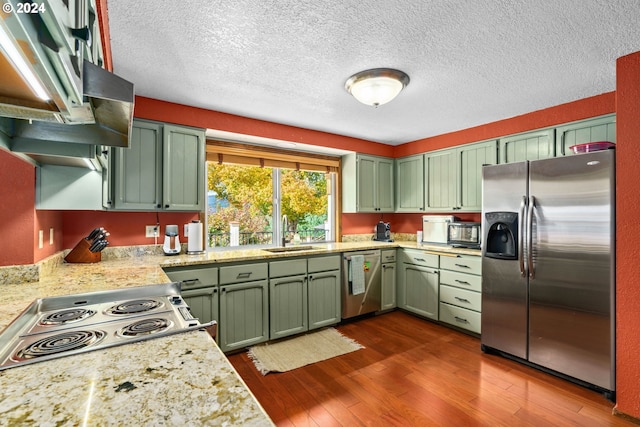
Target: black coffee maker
x=383, y=232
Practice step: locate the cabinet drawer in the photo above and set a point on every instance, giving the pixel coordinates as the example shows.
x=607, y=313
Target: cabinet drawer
x=463, y=263
x=460, y=317
x=324, y=263
x=419, y=258
x=193, y=277
x=388, y=255
x=461, y=280
x=243, y=273
x=291, y=267
x=461, y=297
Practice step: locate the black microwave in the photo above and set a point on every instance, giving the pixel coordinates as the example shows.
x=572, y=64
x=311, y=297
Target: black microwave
x=464, y=235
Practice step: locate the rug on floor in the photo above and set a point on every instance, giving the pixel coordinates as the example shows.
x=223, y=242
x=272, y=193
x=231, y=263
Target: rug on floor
x=292, y=353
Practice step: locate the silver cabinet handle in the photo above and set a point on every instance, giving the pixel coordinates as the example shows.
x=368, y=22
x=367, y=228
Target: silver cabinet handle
x=420, y=259
x=460, y=319
x=244, y=275
x=462, y=282
x=462, y=299
x=462, y=266
x=521, y=220
x=189, y=281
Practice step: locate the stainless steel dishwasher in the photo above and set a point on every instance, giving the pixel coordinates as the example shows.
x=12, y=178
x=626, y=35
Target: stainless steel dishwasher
x=361, y=283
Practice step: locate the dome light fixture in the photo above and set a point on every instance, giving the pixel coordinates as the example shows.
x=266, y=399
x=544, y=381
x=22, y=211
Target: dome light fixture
x=376, y=86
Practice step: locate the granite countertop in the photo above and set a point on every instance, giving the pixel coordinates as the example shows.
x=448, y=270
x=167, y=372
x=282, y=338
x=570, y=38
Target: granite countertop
x=179, y=379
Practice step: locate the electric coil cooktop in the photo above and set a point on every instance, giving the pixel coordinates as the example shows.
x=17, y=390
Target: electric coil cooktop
x=60, y=326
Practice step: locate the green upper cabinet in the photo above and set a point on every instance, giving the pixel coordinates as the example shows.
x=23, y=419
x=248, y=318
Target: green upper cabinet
x=163, y=168
x=592, y=130
x=454, y=177
x=367, y=183
x=471, y=158
x=441, y=174
x=410, y=184
x=527, y=146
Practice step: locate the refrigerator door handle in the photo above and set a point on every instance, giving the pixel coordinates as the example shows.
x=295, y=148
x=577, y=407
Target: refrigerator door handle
x=532, y=202
x=521, y=219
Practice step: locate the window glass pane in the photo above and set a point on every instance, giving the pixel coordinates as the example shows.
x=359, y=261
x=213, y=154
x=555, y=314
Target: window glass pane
x=304, y=201
x=239, y=208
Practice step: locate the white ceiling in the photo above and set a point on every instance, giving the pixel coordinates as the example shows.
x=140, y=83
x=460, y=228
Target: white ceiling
x=286, y=61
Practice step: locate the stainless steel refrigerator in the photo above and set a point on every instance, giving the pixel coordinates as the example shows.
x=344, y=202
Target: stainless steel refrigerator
x=548, y=268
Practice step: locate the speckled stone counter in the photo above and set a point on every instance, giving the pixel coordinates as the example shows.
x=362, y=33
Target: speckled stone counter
x=182, y=379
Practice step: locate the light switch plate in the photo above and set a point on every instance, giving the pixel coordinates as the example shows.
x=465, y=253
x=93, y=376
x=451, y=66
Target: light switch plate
x=40, y=239
x=51, y=236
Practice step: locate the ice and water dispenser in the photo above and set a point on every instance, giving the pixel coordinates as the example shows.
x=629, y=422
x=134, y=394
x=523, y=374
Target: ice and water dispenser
x=501, y=239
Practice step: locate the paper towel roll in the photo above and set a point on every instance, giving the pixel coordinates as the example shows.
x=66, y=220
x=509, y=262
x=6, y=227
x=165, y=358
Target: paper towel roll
x=195, y=243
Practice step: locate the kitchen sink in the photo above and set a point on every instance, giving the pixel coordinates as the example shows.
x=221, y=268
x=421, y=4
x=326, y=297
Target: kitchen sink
x=291, y=249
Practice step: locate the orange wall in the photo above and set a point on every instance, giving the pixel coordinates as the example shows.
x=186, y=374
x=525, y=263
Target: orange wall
x=582, y=109
x=627, y=232
x=153, y=109
x=17, y=193
x=125, y=228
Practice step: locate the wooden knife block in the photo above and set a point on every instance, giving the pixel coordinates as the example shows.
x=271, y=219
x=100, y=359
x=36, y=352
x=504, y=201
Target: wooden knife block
x=81, y=253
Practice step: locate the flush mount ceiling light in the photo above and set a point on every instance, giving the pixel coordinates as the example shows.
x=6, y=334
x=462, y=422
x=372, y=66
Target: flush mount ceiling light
x=376, y=86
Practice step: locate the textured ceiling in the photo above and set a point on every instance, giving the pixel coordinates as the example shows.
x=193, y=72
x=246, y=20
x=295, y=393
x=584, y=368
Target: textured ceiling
x=286, y=61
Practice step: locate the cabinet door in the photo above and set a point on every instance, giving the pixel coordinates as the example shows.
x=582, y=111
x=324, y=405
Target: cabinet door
x=366, y=184
x=471, y=159
x=288, y=306
x=441, y=174
x=418, y=290
x=183, y=169
x=137, y=169
x=527, y=146
x=244, y=314
x=599, y=129
x=410, y=184
x=384, y=187
x=388, y=298
x=203, y=303
x=324, y=299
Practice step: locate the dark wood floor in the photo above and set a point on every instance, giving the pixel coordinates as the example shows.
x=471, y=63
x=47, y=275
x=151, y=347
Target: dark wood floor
x=417, y=373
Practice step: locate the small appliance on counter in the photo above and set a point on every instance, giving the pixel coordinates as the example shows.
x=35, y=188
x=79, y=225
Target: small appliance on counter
x=383, y=232
x=171, y=244
x=464, y=235
x=435, y=228
x=195, y=244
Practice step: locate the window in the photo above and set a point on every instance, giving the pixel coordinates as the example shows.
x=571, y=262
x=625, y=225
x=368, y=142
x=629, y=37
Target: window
x=247, y=201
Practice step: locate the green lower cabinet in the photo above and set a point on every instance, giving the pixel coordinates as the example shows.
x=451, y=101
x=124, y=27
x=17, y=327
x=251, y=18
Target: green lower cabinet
x=244, y=314
x=324, y=299
x=203, y=303
x=288, y=306
x=388, y=295
x=418, y=290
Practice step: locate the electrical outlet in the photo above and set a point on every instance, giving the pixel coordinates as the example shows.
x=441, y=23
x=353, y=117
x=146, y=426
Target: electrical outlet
x=40, y=239
x=51, y=236
x=152, y=231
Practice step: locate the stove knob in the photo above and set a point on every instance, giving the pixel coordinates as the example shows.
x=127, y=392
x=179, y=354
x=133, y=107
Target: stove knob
x=176, y=300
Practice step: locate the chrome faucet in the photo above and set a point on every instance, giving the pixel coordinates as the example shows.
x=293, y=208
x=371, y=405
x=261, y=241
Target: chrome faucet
x=285, y=226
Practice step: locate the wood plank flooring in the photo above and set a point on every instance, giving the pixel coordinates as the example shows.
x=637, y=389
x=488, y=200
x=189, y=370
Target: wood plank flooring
x=413, y=372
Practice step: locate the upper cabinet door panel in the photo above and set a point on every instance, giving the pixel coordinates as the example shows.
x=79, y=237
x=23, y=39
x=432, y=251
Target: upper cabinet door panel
x=527, y=146
x=366, y=188
x=593, y=130
x=137, y=168
x=183, y=166
x=441, y=174
x=385, y=185
x=472, y=158
x=410, y=184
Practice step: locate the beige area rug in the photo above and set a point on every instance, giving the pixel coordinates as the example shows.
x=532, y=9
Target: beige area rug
x=293, y=353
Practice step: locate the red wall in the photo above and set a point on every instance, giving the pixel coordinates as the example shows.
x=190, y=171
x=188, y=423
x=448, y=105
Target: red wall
x=125, y=228
x=627, y=232
x=45, y=220
x=582, y=109
x=17, y=195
